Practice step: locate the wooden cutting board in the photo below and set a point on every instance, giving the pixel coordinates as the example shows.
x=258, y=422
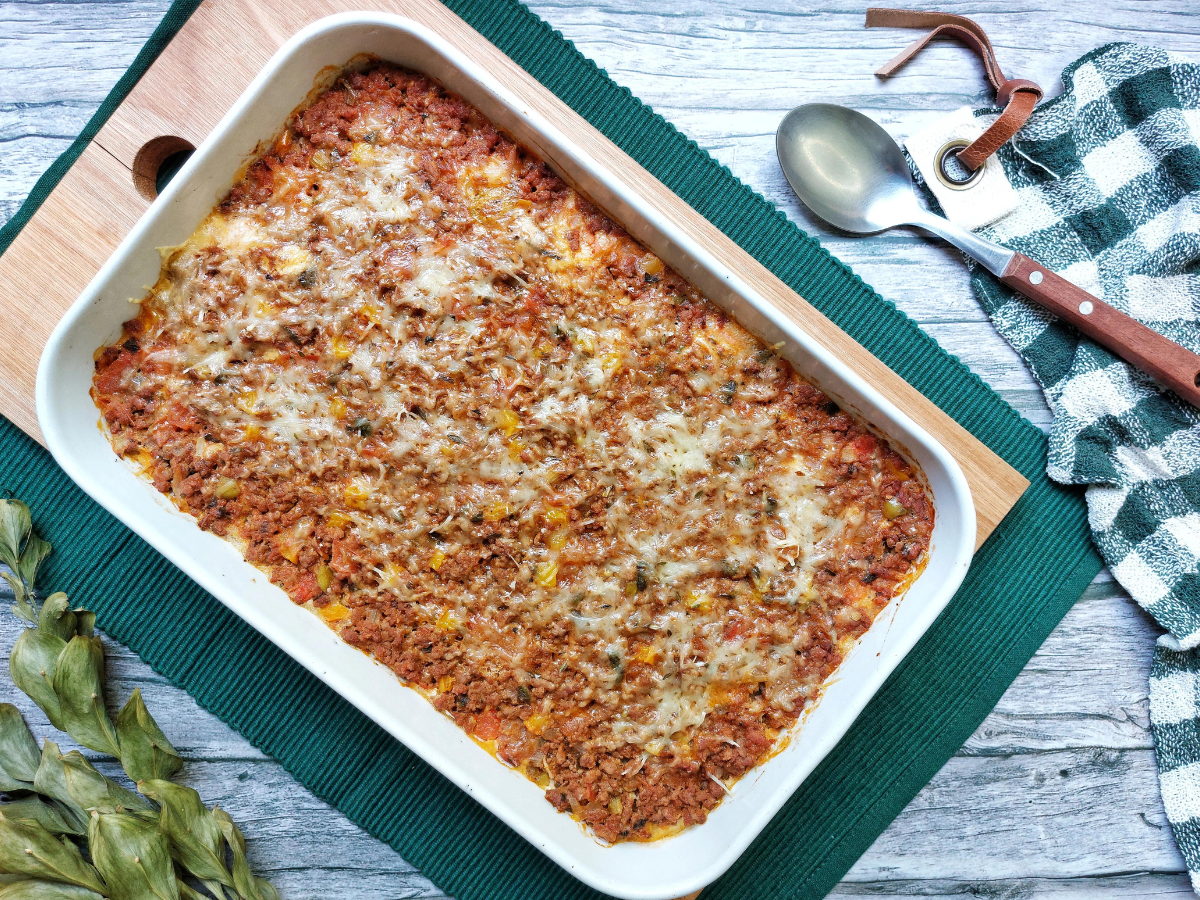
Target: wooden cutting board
x=190, y=87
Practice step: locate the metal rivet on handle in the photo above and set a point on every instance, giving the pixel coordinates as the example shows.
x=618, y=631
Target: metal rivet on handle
x=1086, y=307
x=1035, y=277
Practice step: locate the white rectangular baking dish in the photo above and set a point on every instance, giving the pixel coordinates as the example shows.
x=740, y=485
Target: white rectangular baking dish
x=69, y=422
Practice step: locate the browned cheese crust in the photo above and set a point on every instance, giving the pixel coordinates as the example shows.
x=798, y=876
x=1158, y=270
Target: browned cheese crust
x=496, y=444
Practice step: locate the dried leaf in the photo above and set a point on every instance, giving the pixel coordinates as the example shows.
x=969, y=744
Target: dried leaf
x=195, y=834
x=32, y=665
x=35, y=551
x=49, y=814
x=24, y=608
x=29, y=849
x=45, y=890
x=185, y=892
x=133, y=856
x=79, y=684
x=245, y=883
x=18, y=751
x=50, y=780
x=57, y=618
x=15, y=525
x=145, y=751
x=91, y=790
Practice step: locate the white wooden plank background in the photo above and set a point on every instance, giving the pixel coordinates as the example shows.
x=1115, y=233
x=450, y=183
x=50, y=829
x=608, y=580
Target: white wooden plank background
x=1056, y=794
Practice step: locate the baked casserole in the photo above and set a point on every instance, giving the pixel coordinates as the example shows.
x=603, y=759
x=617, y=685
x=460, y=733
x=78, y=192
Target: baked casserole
x=450, y=406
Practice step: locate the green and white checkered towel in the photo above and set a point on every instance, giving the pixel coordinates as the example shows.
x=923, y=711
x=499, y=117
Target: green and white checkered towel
x=1108, y=181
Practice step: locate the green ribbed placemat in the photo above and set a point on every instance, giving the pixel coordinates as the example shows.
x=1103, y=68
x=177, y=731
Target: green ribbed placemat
x=1022, y=582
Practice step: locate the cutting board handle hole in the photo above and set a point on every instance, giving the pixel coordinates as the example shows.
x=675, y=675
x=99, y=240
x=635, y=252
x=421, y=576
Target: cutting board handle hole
x=158, y=160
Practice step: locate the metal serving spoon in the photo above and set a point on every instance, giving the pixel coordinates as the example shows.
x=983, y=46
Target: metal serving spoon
x=850, y=172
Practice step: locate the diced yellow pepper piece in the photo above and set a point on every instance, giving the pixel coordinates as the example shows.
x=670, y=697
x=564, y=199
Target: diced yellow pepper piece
x=537, y=723
x=610, y=362
x=645, y=654
x=515, y=446
x=495, y=511
x=324, y=577
x=341, y=347
x=893, y=509
x=271, y=354
x=615, y=806
x=447, y=621
x=509, y=421
x=337, y=520
x=437, y=560
x=445, y=684
x=247, y=401
x=261, y=307
x=556, y=515
x=290, y=552
x=337, y=408
x=228, y=489
x=363, y=153
x=249, y=433
x=652, y=265
x=558, y=540
x=334, y=612
x=357, y=493
x=547, y=575
x=371, y=313
x=697, y=602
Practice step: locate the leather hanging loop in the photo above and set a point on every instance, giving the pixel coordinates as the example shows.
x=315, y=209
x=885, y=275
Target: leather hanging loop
x=1018, y=96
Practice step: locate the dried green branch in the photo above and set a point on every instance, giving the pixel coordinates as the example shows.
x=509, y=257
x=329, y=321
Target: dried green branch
x=167, y=847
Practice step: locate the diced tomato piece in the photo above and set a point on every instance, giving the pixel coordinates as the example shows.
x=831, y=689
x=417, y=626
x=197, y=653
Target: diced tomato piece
x=343, y=561
x=182, y=419
x=735, y=629
x=306, y=588
x=487, y=726
x=110, y=381
x=865, y=444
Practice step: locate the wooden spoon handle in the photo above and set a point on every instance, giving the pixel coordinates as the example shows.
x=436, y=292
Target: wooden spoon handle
x=1172, y=365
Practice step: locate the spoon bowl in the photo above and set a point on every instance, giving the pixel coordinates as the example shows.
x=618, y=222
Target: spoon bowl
x=845, y=168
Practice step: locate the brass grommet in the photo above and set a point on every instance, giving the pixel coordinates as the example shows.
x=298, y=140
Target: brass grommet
x=939, y=166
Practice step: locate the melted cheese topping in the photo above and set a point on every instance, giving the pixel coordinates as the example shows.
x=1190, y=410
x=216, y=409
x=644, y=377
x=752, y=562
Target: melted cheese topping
x=466, y=414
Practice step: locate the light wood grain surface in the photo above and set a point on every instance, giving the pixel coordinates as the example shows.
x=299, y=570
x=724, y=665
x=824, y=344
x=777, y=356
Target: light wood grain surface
x=1056, y=794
